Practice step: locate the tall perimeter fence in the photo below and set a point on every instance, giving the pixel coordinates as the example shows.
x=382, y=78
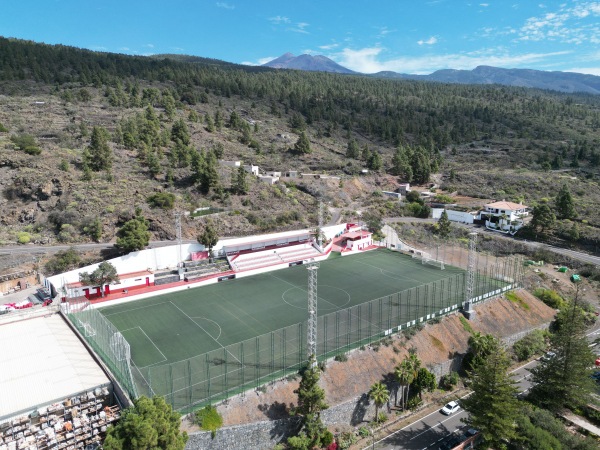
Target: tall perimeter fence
x=237, y=368
x=102, y=336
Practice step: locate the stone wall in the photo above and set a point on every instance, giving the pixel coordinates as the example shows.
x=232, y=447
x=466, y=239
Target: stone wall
x=254, y=436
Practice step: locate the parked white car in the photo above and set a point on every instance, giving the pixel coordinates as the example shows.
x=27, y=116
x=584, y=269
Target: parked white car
x=450, y=408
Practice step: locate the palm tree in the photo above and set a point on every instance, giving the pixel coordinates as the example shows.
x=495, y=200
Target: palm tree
x=413, y=364
x=380, y=395
x=404, y=377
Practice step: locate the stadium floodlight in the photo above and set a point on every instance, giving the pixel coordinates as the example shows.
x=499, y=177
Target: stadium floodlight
x=472, y=263
x=312, y=267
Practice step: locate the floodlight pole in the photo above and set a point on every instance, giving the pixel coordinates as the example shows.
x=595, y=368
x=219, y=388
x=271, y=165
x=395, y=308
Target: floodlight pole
x=311, y=347
x=320, y=231
x=177, y=215
x=472, y=263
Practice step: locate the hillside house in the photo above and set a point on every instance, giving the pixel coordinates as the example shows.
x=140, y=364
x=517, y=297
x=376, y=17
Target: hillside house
x=505, y=217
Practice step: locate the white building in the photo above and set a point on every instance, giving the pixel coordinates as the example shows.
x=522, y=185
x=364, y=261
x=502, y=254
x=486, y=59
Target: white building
x=230, y=163
x=269, y=179
x=505, y=217
x=251, y=169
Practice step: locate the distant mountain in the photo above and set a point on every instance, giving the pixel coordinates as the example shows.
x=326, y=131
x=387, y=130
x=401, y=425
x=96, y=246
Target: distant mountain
x=555, y=81
x=317, y=63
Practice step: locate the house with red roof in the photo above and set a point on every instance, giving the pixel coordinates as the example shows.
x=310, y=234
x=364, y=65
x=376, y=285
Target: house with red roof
x=503, y=216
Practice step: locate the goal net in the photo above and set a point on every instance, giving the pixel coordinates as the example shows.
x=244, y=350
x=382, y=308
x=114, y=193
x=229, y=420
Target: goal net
x=433, y=262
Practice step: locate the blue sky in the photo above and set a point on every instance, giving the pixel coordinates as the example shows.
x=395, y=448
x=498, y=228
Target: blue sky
x=409, y=36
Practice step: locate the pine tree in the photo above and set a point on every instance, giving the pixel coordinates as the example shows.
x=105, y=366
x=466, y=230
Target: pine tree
x=149, y=423
x=311, y=401
x=209, y=237
x=493, y=405
x=564, y=204
x=241, y=182
x=374, y=162
x=209, y=177
x=543, y=218
x=133, y=235
x=352, y=151
x=101, y=156
x=444, y=225
x=180, y=132
x=302, y=146
x=106, y=273
x=564, y=381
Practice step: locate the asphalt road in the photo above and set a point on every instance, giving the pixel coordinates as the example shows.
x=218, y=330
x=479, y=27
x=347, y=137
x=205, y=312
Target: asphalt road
x=427, y=432
x=40, y=249
x=581, y=256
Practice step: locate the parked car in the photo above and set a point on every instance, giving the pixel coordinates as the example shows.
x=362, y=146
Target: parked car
x=548, y=356
x=450, y=408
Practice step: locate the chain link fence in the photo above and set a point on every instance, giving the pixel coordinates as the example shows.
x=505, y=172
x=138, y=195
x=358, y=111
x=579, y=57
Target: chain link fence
x=102, y=336
x=236, y=368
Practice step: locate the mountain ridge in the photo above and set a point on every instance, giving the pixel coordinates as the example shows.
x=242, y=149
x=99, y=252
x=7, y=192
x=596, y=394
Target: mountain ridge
x=318, y=63
x=569, y=82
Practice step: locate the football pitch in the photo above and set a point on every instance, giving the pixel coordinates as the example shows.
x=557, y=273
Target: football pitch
x=210, y=342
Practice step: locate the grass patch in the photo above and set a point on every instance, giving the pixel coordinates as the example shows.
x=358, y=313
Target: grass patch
x=466, y=325
x=209, y=419
x=437, y=343
x=513, y=297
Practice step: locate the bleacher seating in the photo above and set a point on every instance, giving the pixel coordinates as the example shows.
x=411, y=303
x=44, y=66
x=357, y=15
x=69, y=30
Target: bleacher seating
x=255, y=260
x=199, y=269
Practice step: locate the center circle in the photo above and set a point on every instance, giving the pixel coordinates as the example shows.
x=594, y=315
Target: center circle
x=330, y=298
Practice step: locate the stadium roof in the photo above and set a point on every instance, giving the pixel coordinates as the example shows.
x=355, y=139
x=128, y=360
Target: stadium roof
x=43, y=362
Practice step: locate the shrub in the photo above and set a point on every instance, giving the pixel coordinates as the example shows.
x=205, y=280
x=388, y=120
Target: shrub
x=382, y=417
x=342, y=357
x=550, y=298
x=326, y=438
x=533, y=343
x=209, y=419
x=363, y=432
x=449, y=380
x=27, y=143
x=23, y=237
x=63, y=261
x=3, y=129
x=414, y=402
x=346, y=439
x=163, y=200
x=63, y=165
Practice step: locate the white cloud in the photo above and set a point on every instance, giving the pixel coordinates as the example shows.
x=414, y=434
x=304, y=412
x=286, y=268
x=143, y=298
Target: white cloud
x=328, y=47
x=279, y=19
x=586, y=70
x=383, y=31
x=300, y=28
x=149, y=45
x=224, y=5
x=124, y=49
x=367, y=60
x=569, y=24
x=432, y=40
x=485, y=5
x=259, y=62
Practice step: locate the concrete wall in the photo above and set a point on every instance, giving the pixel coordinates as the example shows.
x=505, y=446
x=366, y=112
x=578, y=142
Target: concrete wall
x=453, y=216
